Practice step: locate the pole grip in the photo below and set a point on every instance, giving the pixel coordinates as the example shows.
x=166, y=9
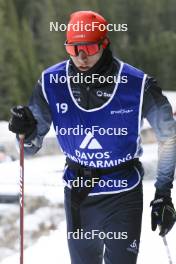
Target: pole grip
x=21, y=136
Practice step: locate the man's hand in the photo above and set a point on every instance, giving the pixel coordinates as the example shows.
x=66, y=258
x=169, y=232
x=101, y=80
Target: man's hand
x=163, y=214
x=22, y=121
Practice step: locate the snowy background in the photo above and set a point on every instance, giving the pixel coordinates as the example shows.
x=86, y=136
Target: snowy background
x=45, y=227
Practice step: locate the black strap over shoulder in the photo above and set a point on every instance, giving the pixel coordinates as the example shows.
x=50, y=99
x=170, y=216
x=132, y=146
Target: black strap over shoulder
x=79, y=194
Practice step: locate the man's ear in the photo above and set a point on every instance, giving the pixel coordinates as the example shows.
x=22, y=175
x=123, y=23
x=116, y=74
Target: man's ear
x=105, y=43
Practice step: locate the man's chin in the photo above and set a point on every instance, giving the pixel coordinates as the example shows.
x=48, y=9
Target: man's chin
x=83, y=68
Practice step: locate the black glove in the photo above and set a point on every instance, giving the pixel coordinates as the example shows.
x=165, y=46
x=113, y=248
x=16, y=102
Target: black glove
x=22, y=121
x=163, y=214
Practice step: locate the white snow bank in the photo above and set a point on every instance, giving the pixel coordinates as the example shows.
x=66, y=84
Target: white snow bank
x=52, y=249
x=43, y=177
x=5, y=134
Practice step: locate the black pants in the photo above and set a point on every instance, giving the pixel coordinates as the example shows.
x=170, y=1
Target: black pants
x=120, y=214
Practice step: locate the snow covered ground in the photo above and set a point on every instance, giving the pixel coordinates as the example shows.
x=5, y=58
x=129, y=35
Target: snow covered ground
x=43, y=178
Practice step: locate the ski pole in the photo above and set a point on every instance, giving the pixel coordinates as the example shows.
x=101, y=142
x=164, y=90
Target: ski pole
x=167, y=250
x=21, y=196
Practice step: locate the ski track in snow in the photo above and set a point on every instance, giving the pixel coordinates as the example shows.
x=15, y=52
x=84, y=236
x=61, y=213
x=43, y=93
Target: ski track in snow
x=43, y=177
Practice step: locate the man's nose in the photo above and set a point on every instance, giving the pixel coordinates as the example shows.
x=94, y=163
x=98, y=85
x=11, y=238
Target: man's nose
x=82, y=56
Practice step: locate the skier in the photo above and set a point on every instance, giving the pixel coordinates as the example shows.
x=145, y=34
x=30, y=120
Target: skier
x=97, y=125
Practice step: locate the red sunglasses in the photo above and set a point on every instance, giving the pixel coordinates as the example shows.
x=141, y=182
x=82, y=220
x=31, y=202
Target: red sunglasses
x=90, y=48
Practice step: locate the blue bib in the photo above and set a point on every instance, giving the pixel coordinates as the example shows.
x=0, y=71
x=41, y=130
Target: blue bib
x=101, y=137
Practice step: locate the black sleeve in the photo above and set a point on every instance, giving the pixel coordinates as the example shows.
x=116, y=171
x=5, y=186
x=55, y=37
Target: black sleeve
x=40, y=109
x=158, y=111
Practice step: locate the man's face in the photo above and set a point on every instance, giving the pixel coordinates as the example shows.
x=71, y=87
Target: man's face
x=84, y=62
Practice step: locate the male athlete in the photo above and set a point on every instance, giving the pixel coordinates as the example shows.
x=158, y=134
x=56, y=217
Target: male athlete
x=97, y=103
